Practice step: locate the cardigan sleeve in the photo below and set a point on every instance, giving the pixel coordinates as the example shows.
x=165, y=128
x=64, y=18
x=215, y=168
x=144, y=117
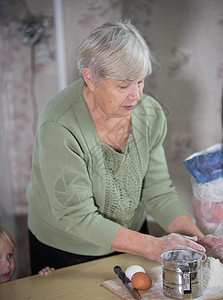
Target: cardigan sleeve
x=158, y=194
x=70, y=200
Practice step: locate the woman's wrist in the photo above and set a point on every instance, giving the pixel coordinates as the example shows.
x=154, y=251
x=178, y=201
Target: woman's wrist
x=133, y=242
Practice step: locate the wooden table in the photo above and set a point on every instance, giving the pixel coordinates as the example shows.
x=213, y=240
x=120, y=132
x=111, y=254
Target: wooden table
x=83, y=281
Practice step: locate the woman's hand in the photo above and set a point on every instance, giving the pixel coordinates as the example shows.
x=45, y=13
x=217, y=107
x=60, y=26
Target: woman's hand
x=46, y=271
x=213, y=245
x=174, y=242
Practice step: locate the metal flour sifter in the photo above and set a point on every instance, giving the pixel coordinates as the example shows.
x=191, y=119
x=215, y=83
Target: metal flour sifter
x=182, y=274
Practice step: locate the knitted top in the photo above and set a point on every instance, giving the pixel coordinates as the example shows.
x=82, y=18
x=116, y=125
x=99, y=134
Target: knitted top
x=76, y=179
x=123, y=182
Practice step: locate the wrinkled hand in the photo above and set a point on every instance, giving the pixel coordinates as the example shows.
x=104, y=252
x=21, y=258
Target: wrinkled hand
x=174, y=241
x=213, y=246
x=46, y=271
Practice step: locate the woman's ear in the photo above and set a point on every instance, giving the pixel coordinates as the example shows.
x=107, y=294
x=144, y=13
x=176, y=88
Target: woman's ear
x=88, y=78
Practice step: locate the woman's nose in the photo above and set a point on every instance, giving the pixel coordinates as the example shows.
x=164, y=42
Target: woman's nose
x=135, y=92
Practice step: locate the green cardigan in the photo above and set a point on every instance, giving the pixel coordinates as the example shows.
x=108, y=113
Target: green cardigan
x=66, y=193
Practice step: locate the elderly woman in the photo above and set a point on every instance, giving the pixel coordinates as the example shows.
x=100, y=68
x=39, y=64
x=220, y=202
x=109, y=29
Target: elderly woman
x=98, y=162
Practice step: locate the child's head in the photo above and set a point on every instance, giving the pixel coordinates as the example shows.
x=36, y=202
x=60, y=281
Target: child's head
x=7, y=260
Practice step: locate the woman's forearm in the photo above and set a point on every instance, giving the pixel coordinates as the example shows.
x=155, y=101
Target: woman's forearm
x=151, y=247
x=132, y=242
x=183, y=224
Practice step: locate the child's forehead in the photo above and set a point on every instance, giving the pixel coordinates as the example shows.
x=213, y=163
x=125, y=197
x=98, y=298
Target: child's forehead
x=5, y=246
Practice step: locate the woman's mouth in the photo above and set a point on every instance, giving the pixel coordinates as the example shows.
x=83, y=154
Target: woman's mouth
x=129, y=107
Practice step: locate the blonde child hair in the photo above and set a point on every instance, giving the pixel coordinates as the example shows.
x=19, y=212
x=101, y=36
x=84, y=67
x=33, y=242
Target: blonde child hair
x=6, y=236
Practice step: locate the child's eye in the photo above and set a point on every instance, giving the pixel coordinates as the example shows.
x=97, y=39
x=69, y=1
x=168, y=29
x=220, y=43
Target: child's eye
x=10, y=255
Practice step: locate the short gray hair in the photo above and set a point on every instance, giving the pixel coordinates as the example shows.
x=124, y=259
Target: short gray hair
x=115, y=50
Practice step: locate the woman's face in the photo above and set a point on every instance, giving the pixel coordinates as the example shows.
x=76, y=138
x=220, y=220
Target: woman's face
x=7, y=261
x=117, y=98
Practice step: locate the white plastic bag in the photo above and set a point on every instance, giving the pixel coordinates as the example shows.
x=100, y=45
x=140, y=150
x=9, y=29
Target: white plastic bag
x=207, y=185
x=208, y=206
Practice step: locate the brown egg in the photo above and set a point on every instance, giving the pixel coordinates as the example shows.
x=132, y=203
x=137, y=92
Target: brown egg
x=141, y=281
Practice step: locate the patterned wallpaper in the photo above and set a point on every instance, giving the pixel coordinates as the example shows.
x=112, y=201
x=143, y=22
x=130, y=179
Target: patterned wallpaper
x=16, y=105
x=186, y=38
